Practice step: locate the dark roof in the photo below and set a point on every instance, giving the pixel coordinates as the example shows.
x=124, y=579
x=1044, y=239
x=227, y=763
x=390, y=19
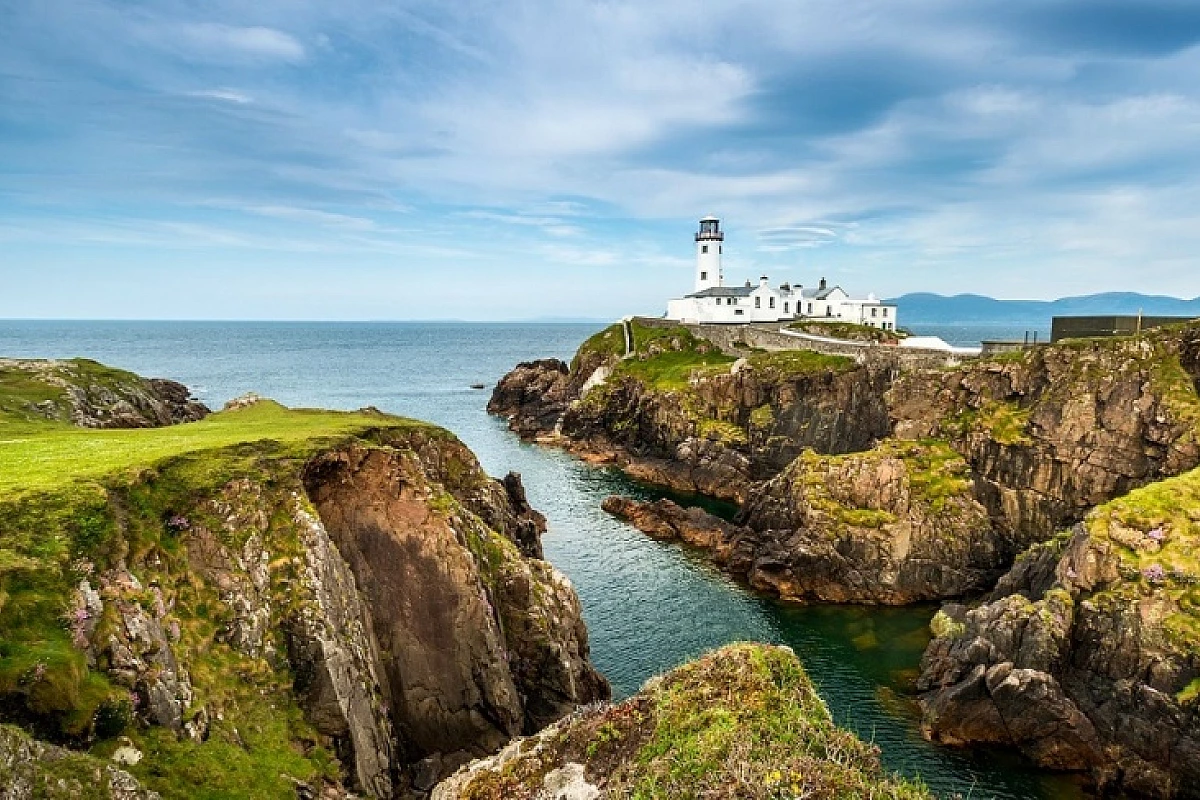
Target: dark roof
x=818, y=294
x=725, y=291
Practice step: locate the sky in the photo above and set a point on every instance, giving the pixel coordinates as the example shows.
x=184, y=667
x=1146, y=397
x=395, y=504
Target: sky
x=368, y=159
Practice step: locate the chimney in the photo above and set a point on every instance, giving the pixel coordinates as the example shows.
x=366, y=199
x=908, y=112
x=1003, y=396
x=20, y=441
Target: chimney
x=762, y=281
x=822, y=285
x=747, y=283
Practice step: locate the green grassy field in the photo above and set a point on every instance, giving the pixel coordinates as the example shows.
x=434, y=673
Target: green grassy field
x=38, y=456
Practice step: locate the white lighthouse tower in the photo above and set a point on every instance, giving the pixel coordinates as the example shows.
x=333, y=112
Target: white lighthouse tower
x=708, y=254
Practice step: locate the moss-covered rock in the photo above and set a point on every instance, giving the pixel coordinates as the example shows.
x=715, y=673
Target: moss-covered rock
x=741, y=722
x=1087, y=655
x=270, y=598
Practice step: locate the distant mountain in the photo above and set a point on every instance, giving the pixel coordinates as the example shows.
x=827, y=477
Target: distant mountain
x=973, y=308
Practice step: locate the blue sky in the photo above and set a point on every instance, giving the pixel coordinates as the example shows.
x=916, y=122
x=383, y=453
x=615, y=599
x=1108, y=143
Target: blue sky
x=367, y=159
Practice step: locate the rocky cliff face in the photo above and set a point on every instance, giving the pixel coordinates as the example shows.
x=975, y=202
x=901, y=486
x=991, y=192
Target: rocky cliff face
x=31, y=769
x=716, y=431
x=1064, y=428
x=1086, y=655
x=1032, y=441
x=742, y=722
x=91, y=395
x=357, y=612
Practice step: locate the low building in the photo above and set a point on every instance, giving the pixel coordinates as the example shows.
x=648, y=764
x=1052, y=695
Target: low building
x=711, y=301
x=1113, y=325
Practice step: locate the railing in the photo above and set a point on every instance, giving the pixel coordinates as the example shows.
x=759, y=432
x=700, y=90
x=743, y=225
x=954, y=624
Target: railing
x=710, y=236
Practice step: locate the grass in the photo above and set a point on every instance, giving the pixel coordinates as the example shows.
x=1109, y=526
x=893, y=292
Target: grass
x=741, y=722
x=794, y=363
x=848, y=330
x=935, y=473
x=1006, y=423
x=35, y=457
x=1156, y=532
x=71, y=496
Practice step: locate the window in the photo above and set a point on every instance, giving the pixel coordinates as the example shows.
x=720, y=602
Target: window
x=719, y=249
x=703, y=276
x=718, y=301
x=738, y=311
x=771, y=302
x=785, y=305
x=758, y=302
x=810, y=308
x=829, y=311
x=874, y=311
x=703, y=248
x=885, y=312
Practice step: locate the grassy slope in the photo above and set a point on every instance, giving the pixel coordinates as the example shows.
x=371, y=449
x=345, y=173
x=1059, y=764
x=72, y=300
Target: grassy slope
x=741, y=722
x=1156, y=532
x=56, y=511
x=43, y=456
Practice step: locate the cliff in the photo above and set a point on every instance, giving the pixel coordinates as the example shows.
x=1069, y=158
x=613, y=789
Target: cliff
x=860, y=482
x=680, y=413
x=277, y=603
x=1087, y=654
x=741, y=722
x=91, y=395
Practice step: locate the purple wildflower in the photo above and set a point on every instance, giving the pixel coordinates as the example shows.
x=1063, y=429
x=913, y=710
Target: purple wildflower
x=179, y=523
x=1154, y=573
x=1157, y=535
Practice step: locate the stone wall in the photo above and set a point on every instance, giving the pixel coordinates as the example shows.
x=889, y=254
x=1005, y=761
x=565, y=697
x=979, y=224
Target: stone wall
x=732, y=338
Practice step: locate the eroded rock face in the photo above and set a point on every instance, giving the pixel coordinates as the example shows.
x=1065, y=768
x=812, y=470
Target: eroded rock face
x=890, y=527
x=1074, y=662
x=477, y=644
x=395, y=583
x=30, y=769
x=90, y=395
x=1067, y=428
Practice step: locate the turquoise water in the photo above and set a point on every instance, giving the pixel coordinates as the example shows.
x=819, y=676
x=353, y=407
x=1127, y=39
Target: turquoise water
x=648, y=605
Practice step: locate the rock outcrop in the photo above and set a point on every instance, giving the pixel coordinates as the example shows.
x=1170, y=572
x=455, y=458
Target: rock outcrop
x=1086, y=655
x=895, y=525
x=741, y=722
x=31, y=769
x=1059, y=430
x=729, y=424
x=92, y=395
x=360, y=610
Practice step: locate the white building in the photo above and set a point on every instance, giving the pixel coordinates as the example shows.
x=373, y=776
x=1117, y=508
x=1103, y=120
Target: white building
x=712, y=301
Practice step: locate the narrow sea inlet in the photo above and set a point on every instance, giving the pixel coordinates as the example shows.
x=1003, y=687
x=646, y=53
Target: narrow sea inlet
x=649, y=606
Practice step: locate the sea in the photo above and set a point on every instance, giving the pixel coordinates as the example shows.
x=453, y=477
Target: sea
x=649, y=605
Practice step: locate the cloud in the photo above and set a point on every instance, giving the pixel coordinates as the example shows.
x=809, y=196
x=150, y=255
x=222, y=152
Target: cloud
x=1018, y=147
x=216, y=42
x=228, y=95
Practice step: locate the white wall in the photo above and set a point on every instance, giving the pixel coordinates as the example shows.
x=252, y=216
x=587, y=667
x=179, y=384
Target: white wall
x=708, y=264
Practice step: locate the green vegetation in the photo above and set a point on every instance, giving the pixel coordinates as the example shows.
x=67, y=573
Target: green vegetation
x=36, y=391
x=849, y=331
x=741, y=722
x=667, y=356
x=1005, y=423
x=945, y=628
x=935, y=473
x=725, y=432
x=36, y=457
x=75, y=503
x=793, y=363
x=609, y=342
x=1156, y=531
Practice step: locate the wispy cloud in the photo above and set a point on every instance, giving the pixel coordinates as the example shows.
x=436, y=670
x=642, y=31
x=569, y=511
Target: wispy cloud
x=1019, y=148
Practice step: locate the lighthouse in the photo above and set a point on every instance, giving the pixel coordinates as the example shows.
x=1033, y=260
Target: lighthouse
x=708, y=254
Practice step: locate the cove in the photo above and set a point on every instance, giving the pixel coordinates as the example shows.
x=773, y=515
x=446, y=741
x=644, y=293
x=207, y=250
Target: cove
x=649, y=606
